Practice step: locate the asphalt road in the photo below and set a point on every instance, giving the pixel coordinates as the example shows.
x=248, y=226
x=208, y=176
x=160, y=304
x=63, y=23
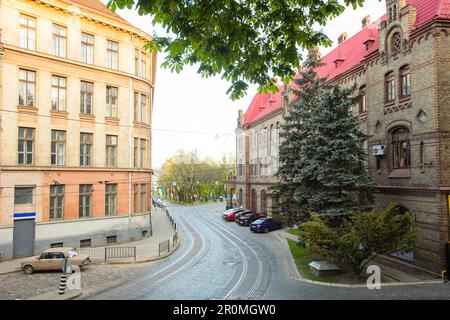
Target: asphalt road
x=221, y=260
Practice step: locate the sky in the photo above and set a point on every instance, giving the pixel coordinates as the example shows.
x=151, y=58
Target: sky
x=194, y=113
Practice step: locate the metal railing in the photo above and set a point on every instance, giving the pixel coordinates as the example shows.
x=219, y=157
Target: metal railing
x=120, y=253
x=164, y=246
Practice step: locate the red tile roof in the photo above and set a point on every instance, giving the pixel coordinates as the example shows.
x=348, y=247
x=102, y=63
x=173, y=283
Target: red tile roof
x=96, y=6
x=352, y=50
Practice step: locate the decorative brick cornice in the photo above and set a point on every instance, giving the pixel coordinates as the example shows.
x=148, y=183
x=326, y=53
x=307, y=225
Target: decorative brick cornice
x=396, y=108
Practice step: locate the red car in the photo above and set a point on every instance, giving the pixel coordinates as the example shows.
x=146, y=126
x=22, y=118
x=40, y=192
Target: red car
x=231, y=215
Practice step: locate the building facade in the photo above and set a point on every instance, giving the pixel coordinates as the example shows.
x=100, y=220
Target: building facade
x=400, y=64
x=75, y=110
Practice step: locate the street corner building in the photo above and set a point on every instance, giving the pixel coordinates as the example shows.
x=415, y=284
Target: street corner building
x=401, y=64
x=75, y=110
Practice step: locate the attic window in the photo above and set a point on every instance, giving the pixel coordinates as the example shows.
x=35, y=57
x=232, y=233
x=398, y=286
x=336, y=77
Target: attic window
x=338, y=62
x=368, y=44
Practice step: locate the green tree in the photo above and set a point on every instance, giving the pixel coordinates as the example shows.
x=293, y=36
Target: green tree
x=323, y=167
x=246, y=41
x=362, y=236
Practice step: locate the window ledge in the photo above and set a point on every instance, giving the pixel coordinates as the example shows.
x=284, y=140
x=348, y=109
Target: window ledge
x=389, y=104
x=27, y=109
x=87, y=116
x=404, y=99
x=113, y=120
x=400, y=173
x=59, y=113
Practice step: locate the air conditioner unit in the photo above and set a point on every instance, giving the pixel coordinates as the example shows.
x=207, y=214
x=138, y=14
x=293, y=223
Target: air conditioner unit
x=379, y=150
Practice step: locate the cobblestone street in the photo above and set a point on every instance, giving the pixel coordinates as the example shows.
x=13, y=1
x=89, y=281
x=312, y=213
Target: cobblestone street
x=93, y=278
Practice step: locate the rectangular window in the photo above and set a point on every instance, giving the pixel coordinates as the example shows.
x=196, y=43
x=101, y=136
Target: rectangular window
x=112, y=54
x=136, y=198
x=87, y=48
x=136, y=106
x=111, y=200
x=23, y=195
x=111, y=102
x=143, y=197
x=86, y=92
x=58, y=147
x=85, y=243
x=111, y=151
x=59, y=40
x=27, y=85
x=85, y=200
x=390, y=87
x=136, y=152
x=143, y=65
x=143, y=108
x=136, y=62
x=363, y=100
x=56, y=202
x=86, y=141
x=143, y=151
x=26, y=146
x=58, y=93
x=56, y=245
x=27, y=32
x=111, y=239
x=406, y=83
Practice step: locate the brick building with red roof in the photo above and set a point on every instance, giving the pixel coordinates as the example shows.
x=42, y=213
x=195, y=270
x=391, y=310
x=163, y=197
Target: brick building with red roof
x=400, y=62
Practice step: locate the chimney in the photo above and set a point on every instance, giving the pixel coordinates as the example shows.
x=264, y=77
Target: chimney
x=342, y=38
x=365, y=22
x=314, y=53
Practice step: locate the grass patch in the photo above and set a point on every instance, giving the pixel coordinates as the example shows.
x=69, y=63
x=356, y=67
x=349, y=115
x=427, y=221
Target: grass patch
x=295, y=232
x=302, y=257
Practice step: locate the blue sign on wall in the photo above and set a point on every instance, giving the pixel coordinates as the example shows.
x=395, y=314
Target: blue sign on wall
x=22, y=216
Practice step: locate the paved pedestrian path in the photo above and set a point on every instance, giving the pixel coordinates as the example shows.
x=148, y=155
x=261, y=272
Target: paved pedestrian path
x=146, y=249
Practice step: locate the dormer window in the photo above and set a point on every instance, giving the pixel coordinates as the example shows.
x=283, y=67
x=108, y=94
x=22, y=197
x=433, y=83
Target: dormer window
x=338, y=62
x=368, y=44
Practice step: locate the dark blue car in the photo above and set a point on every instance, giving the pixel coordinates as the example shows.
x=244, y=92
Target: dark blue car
x=265, y=225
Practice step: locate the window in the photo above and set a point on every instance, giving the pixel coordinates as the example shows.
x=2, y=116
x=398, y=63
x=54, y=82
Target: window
x=111, y=239
x=85, y=200
x=23, y=195
x=111, y=54
x=25, y=146
x=56, y=255
x=401, y=148
x=86, y=149
x=58, y=147
x=136, y=150
x=27, y=32
x=85, y=243
x=87, y=48
x=111, y=102
x=143, y=65
x=405, y=82
x=143, y=107
x=111, y=151
x=27, y=85
x=111, y=200
x=59, y=39
x=143, y=197
x=136, y=106
x=136, y=198
x=396, y=44
x=136, y=61
x=56, y=202
x=86, y=91
x=58, y=93
x=143, y=151
x=363, y=100
x=422, y=153
x=390, y=87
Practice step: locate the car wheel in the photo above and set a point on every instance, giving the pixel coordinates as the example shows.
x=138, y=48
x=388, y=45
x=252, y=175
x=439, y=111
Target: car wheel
x=28, y=270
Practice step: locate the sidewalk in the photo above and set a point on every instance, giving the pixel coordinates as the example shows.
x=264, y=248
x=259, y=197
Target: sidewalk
x=146, y=249
x=392, y=271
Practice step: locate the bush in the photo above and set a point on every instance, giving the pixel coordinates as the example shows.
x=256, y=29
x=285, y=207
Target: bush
x=362, y=236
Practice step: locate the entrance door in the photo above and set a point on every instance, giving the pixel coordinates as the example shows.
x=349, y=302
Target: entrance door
x=23, y=238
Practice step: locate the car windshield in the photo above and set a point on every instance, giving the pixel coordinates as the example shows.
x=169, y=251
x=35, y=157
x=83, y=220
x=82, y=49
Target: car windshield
x=260, y=221
x=72, y=254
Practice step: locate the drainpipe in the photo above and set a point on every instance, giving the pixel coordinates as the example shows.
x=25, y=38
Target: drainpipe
x=130, y=158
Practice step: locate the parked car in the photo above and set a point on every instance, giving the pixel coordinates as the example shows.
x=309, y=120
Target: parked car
x=231, y=215
x=229, y=211
x=265, y=225
x=248, y=218
x=52, y=258
x=240, y=214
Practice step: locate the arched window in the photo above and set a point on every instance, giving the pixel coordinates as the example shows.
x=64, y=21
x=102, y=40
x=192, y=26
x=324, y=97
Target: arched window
x=396, y=43
x=362, y=100
x=405, y=82
x=394, y=12
x=390, y=14
x=401, y=148
x=390, y=87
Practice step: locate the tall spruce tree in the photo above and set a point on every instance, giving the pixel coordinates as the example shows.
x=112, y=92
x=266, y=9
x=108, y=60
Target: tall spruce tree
x=323, y=167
